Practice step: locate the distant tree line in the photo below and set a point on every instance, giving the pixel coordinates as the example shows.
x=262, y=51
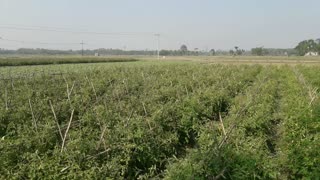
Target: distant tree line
x=26, y=51
x=260, y=51
x=179, y=52
x=183, y=51
x=237, y=51
x=301, y=49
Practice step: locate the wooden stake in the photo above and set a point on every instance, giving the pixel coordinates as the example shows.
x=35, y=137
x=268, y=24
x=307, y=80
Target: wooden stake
x=144, y=108
x=55, y=118
x=71, y=88
x=101, y=137
x=6, y=92
x=66, y=133
x=33, y=118
x=220, y=174
x=223, y=130
x=129, y=118
x=94, y=90
x=70, y=91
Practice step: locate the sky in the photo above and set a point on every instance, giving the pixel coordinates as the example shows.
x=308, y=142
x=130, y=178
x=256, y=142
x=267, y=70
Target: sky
x=132, y=24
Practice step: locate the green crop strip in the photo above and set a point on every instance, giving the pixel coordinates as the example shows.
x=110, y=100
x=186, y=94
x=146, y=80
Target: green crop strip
x=15, y=61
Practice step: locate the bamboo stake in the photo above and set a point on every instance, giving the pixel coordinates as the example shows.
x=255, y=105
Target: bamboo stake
x=100, y=153
x=145, y=112
x=70, y=91
x=12, y=85
x=313, y=95
x=66, y=133
x=6, y=101
x=55, y=117
x=101, y=137
x=220, y=174
x=103, y=129
x=94, y=90
x=71, y=88
x=33, y=118
x=223, y=129
x=144, y=108
x=129, y=118
x=65, y=80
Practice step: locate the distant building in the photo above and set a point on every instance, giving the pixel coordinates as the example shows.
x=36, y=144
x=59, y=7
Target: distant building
x=311, y=54
x=96, y=54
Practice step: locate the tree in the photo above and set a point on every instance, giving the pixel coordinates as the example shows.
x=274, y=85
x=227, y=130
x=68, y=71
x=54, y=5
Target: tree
x=306, y=46
x=183, y=48
x=257, y=51
x=212, y=52
x=164, y=53
x=237, y=51
x=240, y=52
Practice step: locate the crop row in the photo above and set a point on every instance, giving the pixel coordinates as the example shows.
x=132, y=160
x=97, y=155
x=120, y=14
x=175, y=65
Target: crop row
x=172, y=121
x=272, y=132
x=118, y=122
x=27, y=61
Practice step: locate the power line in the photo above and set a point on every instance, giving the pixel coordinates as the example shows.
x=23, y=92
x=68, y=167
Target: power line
x=37, y=26
x=35, y=42
x=79, y=32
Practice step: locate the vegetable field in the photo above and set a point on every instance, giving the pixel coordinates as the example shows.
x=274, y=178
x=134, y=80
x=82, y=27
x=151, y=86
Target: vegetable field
x=171, y=120
x=38, y=60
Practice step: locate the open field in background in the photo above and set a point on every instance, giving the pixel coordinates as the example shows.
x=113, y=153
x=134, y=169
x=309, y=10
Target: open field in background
x=177, y=118
x=243, y=59
x=47, y=60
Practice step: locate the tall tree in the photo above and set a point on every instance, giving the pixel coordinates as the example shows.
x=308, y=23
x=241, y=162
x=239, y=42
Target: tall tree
x=306, y=46
x=237, y=51
x=184, y=49
x=212, y=52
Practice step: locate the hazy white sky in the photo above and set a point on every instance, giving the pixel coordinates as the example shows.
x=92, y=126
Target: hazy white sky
x=131, y=24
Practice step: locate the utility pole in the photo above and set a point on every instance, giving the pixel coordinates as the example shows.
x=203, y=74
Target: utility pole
x=82, y=47
x=158, y=51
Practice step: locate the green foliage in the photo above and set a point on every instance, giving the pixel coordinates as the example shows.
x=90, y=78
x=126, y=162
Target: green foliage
x=158, y=120
x=237, y=51
x=307, y=46
x=183, y=48
x=181, y=53
x=258, y=51
x=86, y=52
x=14, y=61
x=212, y=52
